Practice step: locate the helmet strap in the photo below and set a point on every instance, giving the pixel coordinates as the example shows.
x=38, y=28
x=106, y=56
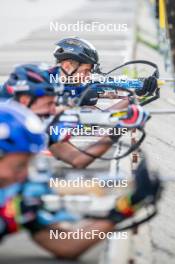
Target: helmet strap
x=72, y=73
x=32, y=101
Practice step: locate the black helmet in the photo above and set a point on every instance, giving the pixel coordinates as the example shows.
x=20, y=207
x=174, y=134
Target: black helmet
x=76, y=49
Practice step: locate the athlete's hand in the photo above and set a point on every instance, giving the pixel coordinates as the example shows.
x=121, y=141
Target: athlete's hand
x=147, y=191
x=149, y=87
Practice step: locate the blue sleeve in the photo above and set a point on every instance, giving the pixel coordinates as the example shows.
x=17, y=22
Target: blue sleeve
x=75, y=90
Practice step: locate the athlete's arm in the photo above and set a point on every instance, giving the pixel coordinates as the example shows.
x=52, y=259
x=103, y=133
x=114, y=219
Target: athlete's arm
x=70, y=248
x=69, y=154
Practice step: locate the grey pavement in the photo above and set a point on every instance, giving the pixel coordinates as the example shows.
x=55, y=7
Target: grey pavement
x=156, y=241
x=114, y=47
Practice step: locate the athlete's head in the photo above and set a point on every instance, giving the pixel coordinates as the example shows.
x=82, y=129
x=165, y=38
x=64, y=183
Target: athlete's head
x=21, y=136
x=77, y=57
x=32, y=87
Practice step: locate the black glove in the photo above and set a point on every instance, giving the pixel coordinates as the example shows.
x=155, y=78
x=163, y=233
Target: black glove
x=147, y=191
x=149, y=87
